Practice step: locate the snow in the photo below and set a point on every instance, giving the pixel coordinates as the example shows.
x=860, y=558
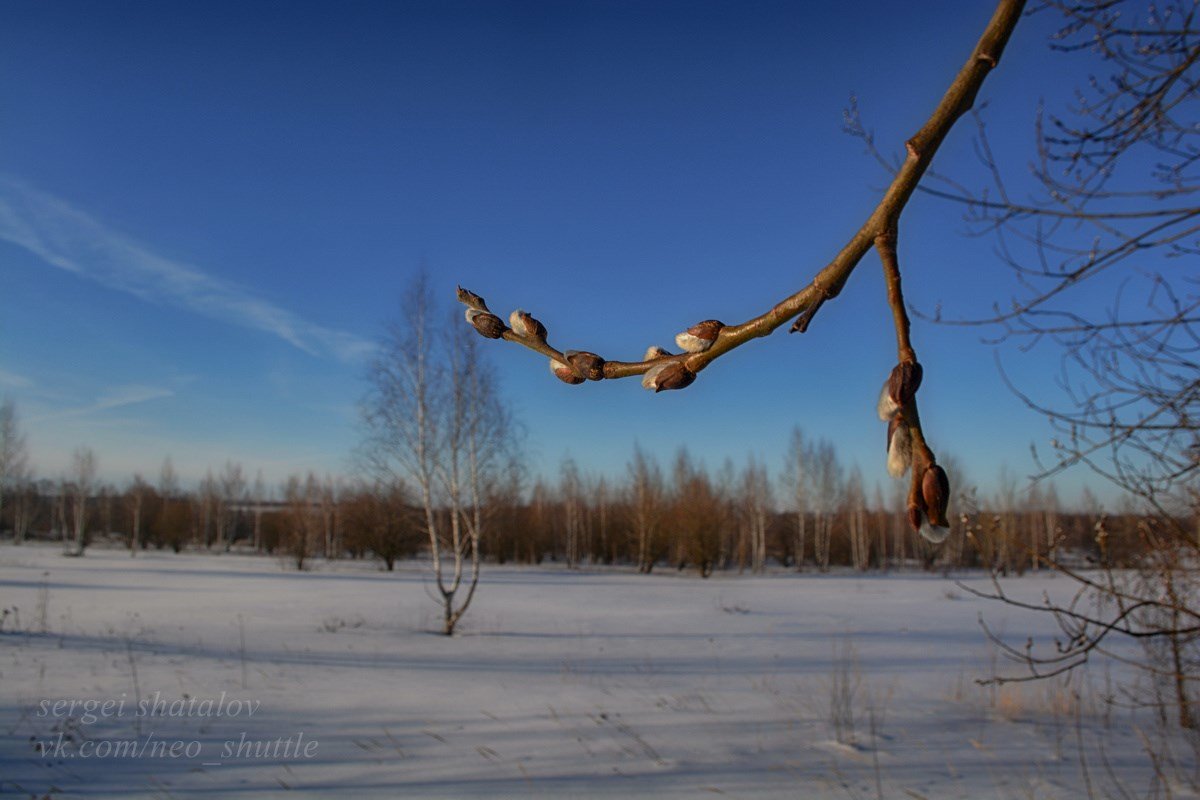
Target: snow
x=581, y=684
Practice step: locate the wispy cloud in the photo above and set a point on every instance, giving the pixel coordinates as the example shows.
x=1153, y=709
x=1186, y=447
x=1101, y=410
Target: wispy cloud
x=67, y=238
x=11, y=380
x=115, y=397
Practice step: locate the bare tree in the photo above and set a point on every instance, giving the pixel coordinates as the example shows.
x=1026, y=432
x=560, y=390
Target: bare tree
x=81, y=487
x=14, y=457
x=1111, y=210
x=258, y=497
x=331, y=516
x=481, y=440
x=173, y=511
x=647, y=508
x=510, y=530
x=105, y=494
x=540, y=534
x=381, y=519
x=135, y=498
x=797, y=480
x=826, y=494
x=61, y=521
x=574, y=522
x=231, y=492
x=603, y=546
x=207, y=506
x=434, y=417
x=754, y=507
x=1155, y=605
x=823, y=499
x=855, y=503
x=24, y=506
x=882, y=528
x=168, y=480
x=303, y=518
x=900, y=528
x=1007, y=556
x=1051, y=532
x=699, y=515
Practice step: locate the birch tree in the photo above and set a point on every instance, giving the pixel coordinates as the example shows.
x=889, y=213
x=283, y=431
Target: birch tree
x=796, y=481
x=258, y=496
x=14, y=457
x=881, y=518
x=231, y=491
x=1051, y=531
x=754, y=511
x=135, y=499
x=81, y=487
x=856, y=520
x=24, y=505
x=434, y=418
x=61, y=520
x=331, y=516
x=826, y=476
x=574, y=524
x=647, y=508
x=603, y=549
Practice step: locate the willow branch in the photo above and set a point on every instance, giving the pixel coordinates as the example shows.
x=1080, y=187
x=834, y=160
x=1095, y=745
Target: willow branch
x=829, y=281
x=922, y=456
x=885, y=245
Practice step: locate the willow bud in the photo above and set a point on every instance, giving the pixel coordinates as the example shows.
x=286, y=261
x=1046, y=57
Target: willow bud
x=903, y=382
x=887, y=408
x=928, y=531
x=933, y=533
x=935, y=491
x=668, y=376
x=899, y=451
x=589, y=365
x=916, y=517
x=650, y=378
x=565, y=373
x=487, y=323
x=653, y=352
x=471, y=300
x=523, y=324
x=700, y=336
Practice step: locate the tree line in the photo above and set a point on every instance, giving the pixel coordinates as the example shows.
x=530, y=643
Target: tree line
x=811, y=514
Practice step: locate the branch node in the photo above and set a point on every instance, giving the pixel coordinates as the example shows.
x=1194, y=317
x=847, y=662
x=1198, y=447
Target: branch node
x=806, y=317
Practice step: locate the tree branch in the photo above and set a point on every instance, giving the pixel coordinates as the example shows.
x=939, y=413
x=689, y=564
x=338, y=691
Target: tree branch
x=922, y=457
x=827, y=283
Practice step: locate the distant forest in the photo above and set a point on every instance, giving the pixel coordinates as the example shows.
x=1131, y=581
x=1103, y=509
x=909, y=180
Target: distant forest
x=814, y=515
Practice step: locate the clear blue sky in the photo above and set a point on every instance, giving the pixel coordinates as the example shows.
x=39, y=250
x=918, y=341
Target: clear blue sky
x=208, y=212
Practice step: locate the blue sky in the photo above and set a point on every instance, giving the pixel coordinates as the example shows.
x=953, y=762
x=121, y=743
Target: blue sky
x=208, y=212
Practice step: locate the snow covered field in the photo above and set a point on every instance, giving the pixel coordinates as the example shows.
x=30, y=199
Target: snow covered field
x=230, y=676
